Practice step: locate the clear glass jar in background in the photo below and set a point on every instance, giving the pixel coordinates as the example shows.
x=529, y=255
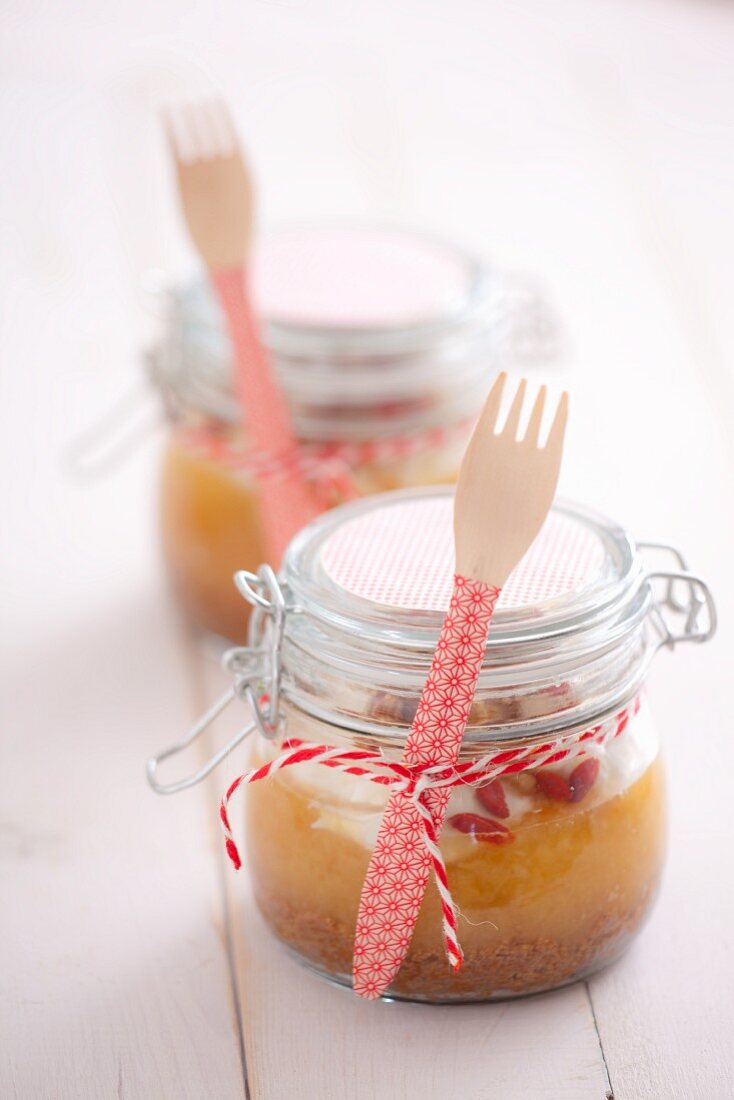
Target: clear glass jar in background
x=385, y=342
x=564, y=865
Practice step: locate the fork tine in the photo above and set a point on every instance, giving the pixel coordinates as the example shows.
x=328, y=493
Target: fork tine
x=200, y=126
x=225, y=128
x=558, y=427
x=532, y=435
x=490, y=412
x=188, y=138
x=211, y=124
x=512, y=423
x=172, y=135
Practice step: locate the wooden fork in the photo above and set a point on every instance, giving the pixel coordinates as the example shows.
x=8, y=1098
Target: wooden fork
x=216, y=195
x=505, y=486
x=505, y=489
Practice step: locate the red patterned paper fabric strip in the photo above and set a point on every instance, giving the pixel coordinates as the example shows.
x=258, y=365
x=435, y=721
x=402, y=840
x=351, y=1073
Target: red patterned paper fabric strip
x=287, y=504
x=397, y=876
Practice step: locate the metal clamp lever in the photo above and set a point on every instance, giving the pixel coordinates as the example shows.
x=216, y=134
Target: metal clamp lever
x=696, y=597
x=115, y=435
x=253, y=665
x=196, y=731
x=700, y=598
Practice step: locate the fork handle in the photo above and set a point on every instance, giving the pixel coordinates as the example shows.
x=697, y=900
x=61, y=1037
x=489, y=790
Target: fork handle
x=287, y=503
x=261, y=401
x=398, y=870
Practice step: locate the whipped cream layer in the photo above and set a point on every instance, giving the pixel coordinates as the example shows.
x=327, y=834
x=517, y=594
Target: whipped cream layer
x=352, y=806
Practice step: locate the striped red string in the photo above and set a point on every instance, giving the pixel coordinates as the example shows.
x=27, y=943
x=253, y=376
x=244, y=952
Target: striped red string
x=331, y=461
x=417, y=781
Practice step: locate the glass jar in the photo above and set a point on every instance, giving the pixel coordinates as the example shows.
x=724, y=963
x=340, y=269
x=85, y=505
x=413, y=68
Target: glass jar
x=554, y=865
x=384, y=342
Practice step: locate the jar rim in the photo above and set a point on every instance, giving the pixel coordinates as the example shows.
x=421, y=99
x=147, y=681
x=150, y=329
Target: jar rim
x=360, y=664
x=609, y=594
x=323, y=365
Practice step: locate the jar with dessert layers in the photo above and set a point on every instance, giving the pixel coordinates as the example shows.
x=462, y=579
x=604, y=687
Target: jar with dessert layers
x=554, y=838
x=384, y=342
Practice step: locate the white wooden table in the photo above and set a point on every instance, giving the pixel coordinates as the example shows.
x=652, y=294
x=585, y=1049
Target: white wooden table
x=590, y=140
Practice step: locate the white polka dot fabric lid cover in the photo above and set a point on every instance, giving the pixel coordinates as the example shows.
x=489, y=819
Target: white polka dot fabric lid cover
x=396, y=552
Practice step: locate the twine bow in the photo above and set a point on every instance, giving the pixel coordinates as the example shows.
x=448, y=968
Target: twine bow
x=415, y=781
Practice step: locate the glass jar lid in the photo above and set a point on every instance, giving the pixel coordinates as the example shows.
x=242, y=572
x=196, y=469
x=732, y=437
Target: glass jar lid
x=382, y=568
x=349, y=313
x=367, y=587
x=353, y=282
x=346, y=634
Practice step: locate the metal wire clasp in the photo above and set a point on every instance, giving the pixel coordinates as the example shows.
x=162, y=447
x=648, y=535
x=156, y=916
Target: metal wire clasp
x=256, y=671
x=684, y=596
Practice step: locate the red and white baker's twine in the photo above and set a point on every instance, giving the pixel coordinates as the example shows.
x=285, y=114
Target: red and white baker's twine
x=331, y=463
x=416, y=780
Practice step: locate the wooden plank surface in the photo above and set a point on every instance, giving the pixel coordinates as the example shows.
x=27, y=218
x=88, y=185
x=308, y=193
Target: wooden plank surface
x=590, y=141
x=115, y=975
x=305, y=1037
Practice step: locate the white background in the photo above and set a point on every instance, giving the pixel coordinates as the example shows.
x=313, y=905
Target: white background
x=589, y=142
